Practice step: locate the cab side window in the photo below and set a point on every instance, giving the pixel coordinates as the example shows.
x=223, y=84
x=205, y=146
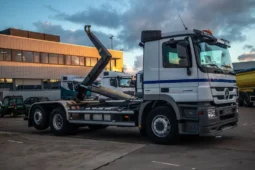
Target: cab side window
x=170, y=55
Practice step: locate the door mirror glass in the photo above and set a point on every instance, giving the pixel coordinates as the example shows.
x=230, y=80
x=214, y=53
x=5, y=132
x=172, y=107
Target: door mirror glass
x=183, y=54
x=113, y=82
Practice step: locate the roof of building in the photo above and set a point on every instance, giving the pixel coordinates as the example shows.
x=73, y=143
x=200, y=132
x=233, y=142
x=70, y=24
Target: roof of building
x=30, y=34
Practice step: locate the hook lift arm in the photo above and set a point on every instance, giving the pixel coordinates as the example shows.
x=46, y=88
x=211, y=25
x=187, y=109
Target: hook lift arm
x=98, y=68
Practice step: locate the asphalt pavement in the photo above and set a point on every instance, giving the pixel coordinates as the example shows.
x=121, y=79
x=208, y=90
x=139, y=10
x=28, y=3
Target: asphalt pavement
x=123, y=148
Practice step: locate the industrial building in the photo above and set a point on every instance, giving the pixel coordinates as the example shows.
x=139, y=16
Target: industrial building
x=32, y=63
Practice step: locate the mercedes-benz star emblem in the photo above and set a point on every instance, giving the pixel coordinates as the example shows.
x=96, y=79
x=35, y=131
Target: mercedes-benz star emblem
x=226, y=93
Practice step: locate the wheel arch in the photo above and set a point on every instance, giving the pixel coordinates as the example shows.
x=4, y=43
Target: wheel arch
x=147, y=106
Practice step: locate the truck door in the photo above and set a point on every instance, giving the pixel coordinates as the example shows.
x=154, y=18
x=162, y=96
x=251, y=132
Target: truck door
x=174, y=79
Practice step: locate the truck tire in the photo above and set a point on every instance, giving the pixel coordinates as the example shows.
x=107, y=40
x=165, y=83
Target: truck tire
x=162, y=126
x=39, y=117
x=59, y=124
x=241, y=100
x=97, y=127
x=143, y=132
x=247, y=100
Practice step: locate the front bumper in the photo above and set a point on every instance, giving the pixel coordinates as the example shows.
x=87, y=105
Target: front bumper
x=225, y=118
x=205, y=125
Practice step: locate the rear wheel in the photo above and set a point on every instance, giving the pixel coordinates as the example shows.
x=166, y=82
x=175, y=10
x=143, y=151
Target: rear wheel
x=59, y=124
x=162, y=126
x=247, y=101
x=39, y=117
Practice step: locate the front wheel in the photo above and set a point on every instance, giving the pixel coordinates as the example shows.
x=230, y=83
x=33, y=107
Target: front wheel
x=59, y=124
x=162, y=126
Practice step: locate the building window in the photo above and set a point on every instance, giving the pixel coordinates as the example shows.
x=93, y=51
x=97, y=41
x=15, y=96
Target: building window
x=6, y=83
x=51, y=84
x=45, y=57
x=2, y=81
x=82, y=61
x=113, y=64
x=60, y=59
x=108, y=66
x=36, y=57
x=7, y=55
x=16, y=55
x=75, y=60
x=53, y=58
x=93, y=61
x=68, y=60
x=27, y=56
x=88, y=61
x=1, y=54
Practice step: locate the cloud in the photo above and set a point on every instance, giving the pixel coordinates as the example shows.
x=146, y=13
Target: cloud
x=226, y=18
x=103, y=15
x=74, y=37
x=247, y=57
x=49, y=7
x=249, y=47
x=138, y=63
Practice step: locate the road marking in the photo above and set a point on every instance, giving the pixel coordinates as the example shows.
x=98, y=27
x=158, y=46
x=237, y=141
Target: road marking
x=14, y=141
x=164, y=163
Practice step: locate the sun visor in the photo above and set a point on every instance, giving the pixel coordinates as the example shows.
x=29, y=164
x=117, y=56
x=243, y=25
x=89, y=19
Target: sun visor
x=150, y=35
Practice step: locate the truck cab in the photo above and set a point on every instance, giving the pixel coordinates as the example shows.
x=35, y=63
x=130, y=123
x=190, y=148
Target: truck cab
x=187, y=86
x=192, y=71
x=118, y=81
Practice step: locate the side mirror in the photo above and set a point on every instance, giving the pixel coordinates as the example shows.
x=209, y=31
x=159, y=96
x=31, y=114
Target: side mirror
x=183, y=53
x=113, y=82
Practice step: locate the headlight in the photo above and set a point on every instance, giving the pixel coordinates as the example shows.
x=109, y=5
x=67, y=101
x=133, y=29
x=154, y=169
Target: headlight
x=211, y=113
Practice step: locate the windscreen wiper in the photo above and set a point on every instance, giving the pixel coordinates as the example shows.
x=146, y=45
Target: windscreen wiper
x=215, y=66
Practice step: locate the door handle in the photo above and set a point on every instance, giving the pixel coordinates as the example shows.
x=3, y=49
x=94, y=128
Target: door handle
x=164, y=90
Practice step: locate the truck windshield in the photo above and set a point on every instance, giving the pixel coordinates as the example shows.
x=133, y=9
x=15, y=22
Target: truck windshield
x=215, y=56
x=126, y=82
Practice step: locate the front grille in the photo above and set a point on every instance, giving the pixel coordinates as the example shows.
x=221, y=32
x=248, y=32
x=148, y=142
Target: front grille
x=223, y=88
x=223, y=97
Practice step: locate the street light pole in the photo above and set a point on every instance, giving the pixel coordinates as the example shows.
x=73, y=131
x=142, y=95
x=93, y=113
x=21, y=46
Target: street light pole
x=111, y=37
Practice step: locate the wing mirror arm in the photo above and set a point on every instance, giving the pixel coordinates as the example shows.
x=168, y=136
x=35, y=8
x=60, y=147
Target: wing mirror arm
x=184, y=55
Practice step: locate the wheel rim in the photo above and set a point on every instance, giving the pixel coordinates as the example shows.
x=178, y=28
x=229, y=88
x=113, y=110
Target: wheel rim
x=38, y=116
x=57, y=121
x=161, y=126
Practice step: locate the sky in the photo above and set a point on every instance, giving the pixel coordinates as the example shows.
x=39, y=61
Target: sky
x=233, y=20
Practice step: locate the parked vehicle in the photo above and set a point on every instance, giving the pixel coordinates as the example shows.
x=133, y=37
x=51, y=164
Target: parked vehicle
x=246, y=84
x=12, y=105
x=31, y=100
x=188, y=87
x=117, y=81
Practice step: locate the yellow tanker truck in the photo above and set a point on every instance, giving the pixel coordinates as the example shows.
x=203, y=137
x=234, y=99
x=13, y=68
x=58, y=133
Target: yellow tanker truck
x=245, y=81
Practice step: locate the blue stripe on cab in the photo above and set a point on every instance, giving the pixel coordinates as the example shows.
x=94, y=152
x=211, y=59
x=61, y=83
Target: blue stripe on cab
x=188, y=81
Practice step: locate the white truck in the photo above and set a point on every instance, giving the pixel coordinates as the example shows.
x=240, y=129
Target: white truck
x=188, y=87
x=118, y=81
